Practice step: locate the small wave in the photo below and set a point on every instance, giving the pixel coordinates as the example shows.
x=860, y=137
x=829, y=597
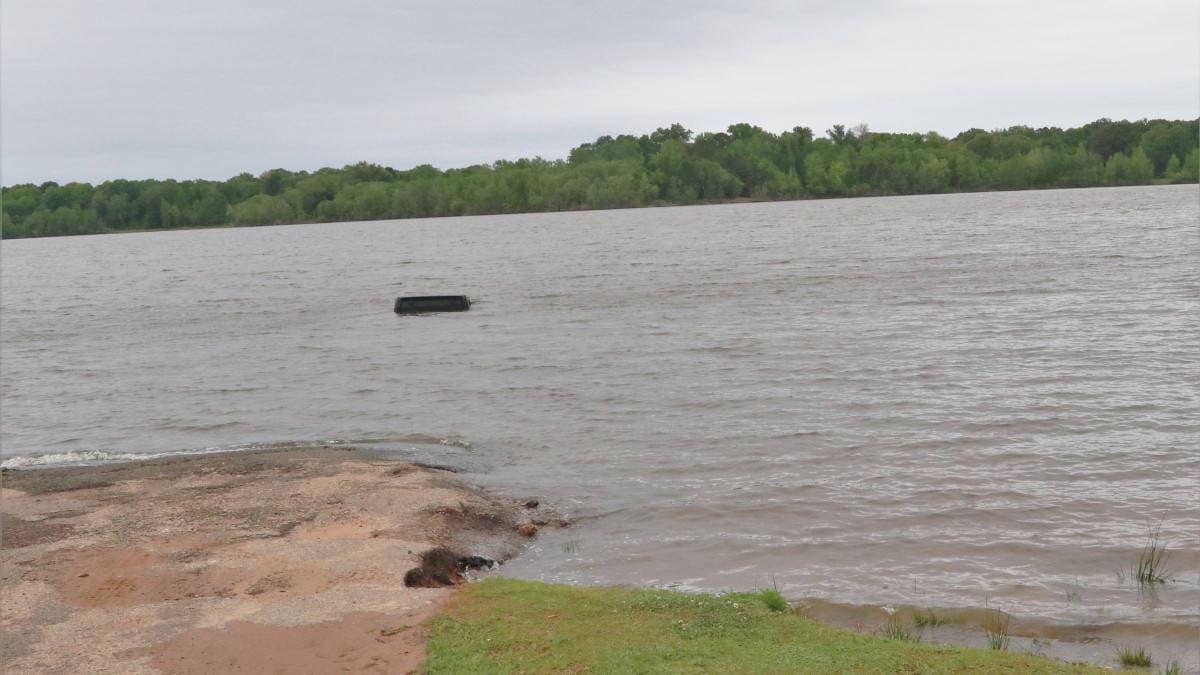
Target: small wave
x=89, y=457
x=203, y=427
x=84, y=457
x=67, y=441
x=417, y=439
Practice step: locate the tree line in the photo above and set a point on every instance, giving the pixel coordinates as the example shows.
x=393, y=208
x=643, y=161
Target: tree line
x=671, y=165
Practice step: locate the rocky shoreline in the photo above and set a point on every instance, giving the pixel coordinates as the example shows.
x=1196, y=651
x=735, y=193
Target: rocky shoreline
x=308, y=560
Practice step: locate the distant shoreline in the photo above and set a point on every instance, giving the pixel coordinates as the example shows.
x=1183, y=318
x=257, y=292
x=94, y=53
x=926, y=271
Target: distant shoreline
x=664, y=205
x=669, y=166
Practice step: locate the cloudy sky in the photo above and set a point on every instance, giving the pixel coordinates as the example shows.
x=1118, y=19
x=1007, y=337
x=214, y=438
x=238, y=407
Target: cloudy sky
x=141, y=89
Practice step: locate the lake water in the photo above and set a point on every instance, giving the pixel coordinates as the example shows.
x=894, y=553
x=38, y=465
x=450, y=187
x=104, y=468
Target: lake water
x=942, y=400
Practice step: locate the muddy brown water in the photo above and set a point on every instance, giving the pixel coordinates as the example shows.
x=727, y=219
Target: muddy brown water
x=949, y=401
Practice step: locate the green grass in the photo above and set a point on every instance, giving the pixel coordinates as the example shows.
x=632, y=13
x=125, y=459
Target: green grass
x=1134, y=658
x=1173, y=668
x=773, y=599
x=896, y=629
x=996, y=627
x=509, y=626
x=1151, y=565
x=927, y=618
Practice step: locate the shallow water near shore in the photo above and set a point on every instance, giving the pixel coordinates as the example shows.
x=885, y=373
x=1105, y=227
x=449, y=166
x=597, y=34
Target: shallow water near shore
x=948, y=401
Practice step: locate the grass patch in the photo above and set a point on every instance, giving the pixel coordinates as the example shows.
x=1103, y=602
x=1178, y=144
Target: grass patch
x=773, y=599
x=1134, y=658
x=507, y=625
x=996, y=627
x=1151, y=565
x=927, y=618
x=896, y=629
x=1173, y=668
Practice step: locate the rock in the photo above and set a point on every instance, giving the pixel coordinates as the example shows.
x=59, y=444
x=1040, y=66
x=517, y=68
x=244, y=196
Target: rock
x=527, y=529
x=443, y=567
x=550, y=522
x=477, y=562
x=439, y=567
x=531, y=503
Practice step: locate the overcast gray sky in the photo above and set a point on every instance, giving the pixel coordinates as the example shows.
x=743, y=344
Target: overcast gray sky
x=144, y=89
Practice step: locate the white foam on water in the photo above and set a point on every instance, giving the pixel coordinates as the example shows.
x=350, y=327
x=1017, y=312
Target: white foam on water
x=87, y=457
x=92, y=457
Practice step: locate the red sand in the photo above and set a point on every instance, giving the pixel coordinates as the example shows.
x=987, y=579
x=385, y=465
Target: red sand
x=283, y=562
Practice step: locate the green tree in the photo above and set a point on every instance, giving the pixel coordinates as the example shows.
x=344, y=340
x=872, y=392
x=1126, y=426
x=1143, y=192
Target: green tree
x=1107, y=138
x=607, y=148
x=672, y=169
x=1122, y=169
x=240, y=188
x=785, y=186
x=713, y=182
x=20, y=200
x=170, y=215
x=966, y=168
x=931, y=174
x=623, y=188
x=1166, y=139
x=1173, y=169
x=211, y=208
x=827, y=171
x=1080, y=168
x=262, y=210
x=274, y=181
x=9, y=229
x=365, y=172
x=1189, y=168
x=668, y=165
x=794, y=145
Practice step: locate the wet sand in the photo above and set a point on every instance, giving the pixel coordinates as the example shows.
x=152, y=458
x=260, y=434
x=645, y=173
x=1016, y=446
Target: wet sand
x=281, y=561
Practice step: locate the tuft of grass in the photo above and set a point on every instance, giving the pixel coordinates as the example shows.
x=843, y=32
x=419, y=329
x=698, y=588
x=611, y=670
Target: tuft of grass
x=927, y=618
x=773, y=599
x=504, y=625
x=1173, y=668
x=896, y=629
x=996, y=627
x=1151, y=565
x=1134, y=658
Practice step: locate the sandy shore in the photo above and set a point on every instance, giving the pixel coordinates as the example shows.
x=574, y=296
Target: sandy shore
x=276, y=561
